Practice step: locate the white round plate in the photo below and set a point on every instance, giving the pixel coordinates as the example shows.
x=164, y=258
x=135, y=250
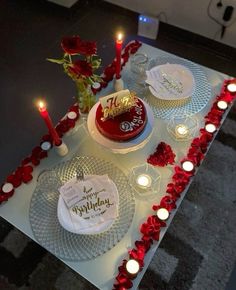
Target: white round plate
x=65, y=220
x=171, y=82
x=121, y=147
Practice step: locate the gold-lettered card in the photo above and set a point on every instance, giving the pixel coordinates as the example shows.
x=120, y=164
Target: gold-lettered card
x=117, y=103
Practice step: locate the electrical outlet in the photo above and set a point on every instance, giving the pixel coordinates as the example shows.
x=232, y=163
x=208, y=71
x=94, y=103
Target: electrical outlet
x=148, y=26
x=220, y=12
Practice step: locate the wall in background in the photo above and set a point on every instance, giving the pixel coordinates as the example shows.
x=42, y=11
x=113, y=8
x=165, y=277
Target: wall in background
x=191, y=15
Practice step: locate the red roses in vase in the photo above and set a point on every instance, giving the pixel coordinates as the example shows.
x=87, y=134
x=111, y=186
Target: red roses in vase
x=79, y=62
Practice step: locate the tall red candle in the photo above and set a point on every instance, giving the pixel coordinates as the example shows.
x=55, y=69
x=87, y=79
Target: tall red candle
x=119, y=42
x=44, y=113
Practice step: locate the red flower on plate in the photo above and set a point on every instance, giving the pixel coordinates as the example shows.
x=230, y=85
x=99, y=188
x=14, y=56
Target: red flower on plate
x=71, y=45
x=81, y=67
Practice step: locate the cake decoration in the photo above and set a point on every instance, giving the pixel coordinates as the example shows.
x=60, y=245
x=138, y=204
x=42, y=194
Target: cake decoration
x=128, y=124
x=117, y=103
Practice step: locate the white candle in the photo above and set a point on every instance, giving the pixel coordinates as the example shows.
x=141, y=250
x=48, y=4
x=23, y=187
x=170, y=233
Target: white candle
x=162, y=214
x=46, y=145
x=144, y=180
x=232, y=87
x=181, y=131
x=211, y=128
x=132, y=267
x=187, y=166
x=7, y=187
x=222, y=105
x=96, y=85
x=72, y=115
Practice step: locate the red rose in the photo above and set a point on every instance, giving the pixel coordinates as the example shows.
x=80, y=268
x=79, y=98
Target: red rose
x=81, y=67
x=71, y=45
x=87, y=47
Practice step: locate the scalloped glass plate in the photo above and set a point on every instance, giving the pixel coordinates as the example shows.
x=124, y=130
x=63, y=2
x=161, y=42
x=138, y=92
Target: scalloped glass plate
x=43, y=211
x=166, y=109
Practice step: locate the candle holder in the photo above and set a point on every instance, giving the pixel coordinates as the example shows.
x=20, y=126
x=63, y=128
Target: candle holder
x=182, y=128
x=145, y=180
x=61, y=149
x=138, y=67
x=118, y=84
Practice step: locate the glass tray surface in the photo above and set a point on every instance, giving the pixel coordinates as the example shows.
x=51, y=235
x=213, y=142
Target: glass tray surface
x=43, y=211
x=166, y=109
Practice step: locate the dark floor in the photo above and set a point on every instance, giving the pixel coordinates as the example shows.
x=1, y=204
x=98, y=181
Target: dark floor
x=31, y=31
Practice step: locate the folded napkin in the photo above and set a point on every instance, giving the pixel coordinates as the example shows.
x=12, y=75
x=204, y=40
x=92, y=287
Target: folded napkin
x=88, y=204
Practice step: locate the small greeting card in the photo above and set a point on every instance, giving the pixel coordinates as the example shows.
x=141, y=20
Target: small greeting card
x=117, y=103
x=91, y=201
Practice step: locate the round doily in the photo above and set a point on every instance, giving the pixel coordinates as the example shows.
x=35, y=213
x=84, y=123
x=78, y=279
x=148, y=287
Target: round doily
x=166, y=109
x=43, y=211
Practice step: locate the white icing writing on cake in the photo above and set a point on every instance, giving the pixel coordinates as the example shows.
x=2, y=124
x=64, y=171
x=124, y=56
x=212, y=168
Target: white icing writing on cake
x=127, y=126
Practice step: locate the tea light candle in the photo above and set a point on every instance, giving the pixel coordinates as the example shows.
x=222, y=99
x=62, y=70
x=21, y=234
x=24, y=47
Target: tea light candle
x=96, y=86
x=132, y=267
x=187, y=166
x=181, y=130
x=211, y=128
x=222, y=105
x=231, y=88
x=162, y=214
x=7, y=187
x=144, y=180
x=72, y=115
x=46, y=146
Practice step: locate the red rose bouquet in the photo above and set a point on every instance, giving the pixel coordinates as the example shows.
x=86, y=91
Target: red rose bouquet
x=79, y=62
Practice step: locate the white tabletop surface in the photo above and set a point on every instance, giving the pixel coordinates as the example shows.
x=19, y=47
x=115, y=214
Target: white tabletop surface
x=102, y=270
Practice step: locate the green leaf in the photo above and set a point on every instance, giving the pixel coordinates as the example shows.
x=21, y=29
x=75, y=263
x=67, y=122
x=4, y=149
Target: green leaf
x=58, y=61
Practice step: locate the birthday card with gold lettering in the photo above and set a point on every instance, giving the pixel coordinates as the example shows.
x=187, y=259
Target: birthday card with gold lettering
x=117, y=103
x=90, y=203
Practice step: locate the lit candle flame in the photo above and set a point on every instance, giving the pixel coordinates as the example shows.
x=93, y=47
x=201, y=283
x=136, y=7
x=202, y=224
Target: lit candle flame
x=41, y=105
x=119, y=36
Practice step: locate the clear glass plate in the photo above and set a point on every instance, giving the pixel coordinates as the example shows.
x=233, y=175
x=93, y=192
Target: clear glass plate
x=166, y=109
x=43, y=211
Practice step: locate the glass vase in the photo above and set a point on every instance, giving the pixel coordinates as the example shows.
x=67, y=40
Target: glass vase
x=85, y=97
